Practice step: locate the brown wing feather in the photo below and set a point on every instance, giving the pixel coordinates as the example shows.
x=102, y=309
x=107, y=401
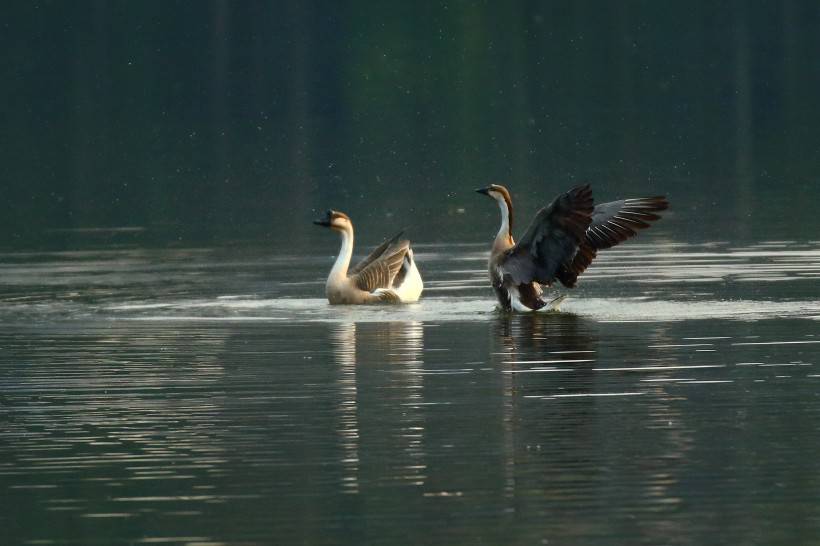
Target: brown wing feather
x=378, y=251
x=551, y=240
x=380, y=272
x=612, y=224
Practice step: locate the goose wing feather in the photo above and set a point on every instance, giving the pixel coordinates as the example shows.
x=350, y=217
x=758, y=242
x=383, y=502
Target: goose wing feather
x=551, y=240
x=377, y=252
x=379, y=273
x=612, y=223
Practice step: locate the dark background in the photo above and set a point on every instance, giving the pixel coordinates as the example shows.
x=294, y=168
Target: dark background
x=216, y=120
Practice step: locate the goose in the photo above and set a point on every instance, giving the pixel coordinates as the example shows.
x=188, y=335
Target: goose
x=388, y=275
x=560, y=243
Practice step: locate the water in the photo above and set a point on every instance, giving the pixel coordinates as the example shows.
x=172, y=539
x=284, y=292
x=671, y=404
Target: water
x=210, y=396
x=171, y=374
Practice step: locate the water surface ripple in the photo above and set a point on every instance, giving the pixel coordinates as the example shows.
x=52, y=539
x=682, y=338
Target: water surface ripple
x=210, y=396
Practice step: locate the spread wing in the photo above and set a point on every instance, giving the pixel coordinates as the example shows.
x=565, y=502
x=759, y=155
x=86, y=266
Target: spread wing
x=551, y=240
x=380, y=271
x=378, y=251
x=612, y=224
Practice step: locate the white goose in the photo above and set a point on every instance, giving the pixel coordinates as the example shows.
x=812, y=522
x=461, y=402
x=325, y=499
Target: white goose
x=560, y=243
x=387, y=275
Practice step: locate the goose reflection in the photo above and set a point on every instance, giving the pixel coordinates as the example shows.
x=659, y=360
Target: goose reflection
x=380, y=401
x=559, y=346
x=343, y=339
x=553, y=351
x=557, y=413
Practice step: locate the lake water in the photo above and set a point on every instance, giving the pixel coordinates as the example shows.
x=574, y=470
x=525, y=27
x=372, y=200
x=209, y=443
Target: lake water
x=170, y=372
x=211, y=396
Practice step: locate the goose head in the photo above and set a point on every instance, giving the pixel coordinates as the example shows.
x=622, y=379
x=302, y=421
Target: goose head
x=497, y=192
x=501, y=196
x=337, y=221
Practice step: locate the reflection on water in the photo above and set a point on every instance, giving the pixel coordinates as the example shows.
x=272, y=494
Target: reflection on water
x=557, y=358
x=391, y=367
x=199, y=403
x=343, y=338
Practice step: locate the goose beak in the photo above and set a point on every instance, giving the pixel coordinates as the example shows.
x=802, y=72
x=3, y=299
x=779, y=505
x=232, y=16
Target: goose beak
x=483, y=191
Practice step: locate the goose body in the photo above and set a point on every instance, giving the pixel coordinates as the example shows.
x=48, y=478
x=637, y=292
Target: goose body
x=388, y=275
x=560, y=243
